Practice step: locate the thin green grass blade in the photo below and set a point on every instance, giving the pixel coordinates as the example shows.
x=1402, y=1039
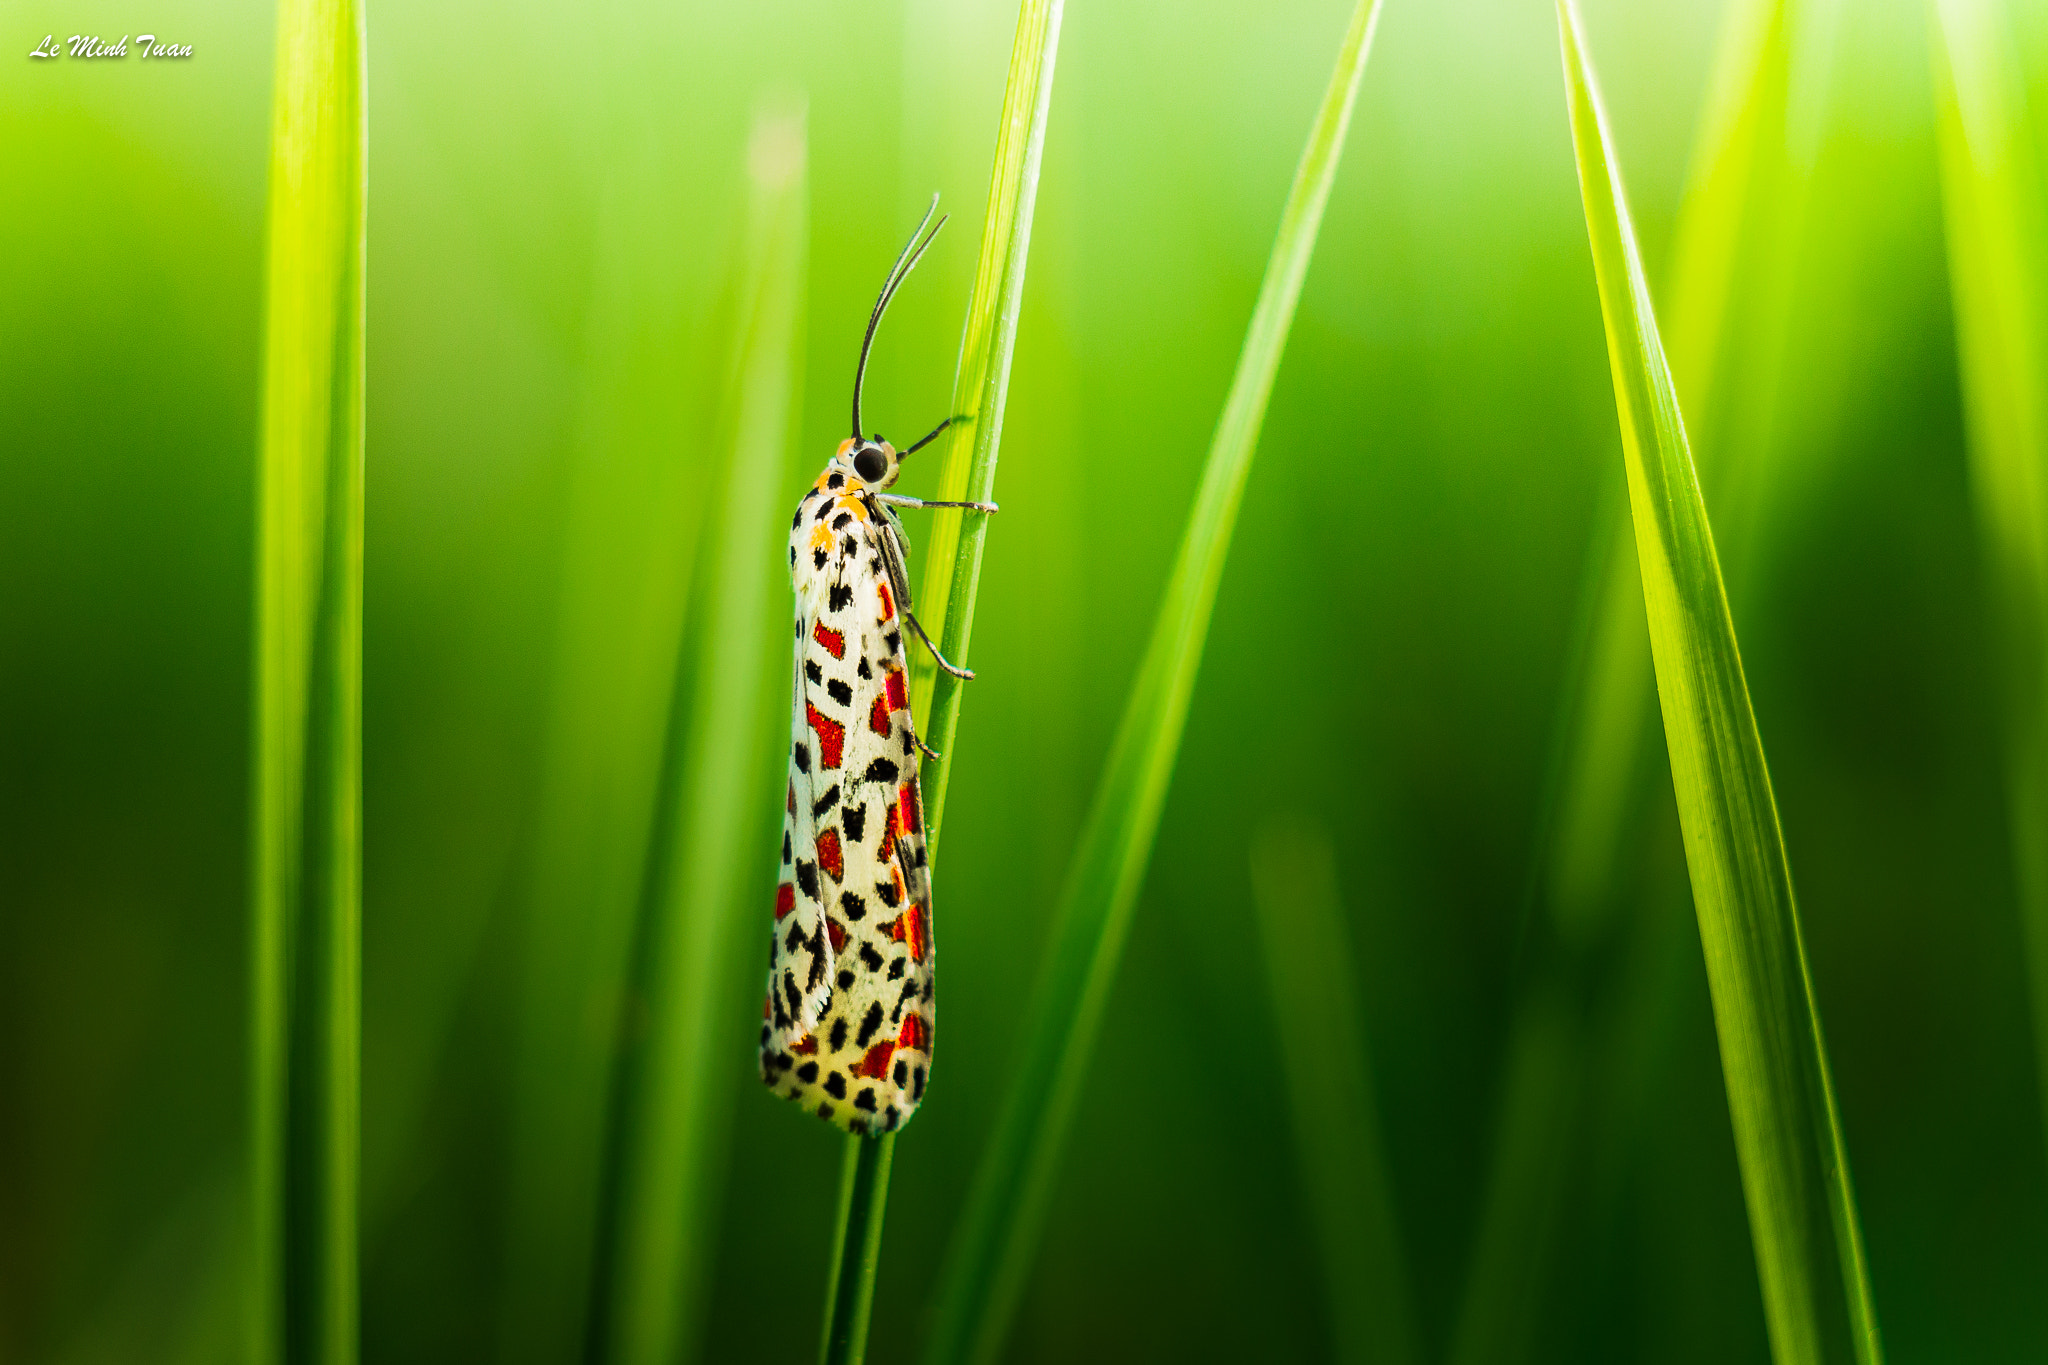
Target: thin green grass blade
x=306, y=816
x=952, y=576
x=1741, y=209
x=1788, y=1141
x=678, y=1114
x=1329, y=1085
x=1997, y=228
x=998, y=1232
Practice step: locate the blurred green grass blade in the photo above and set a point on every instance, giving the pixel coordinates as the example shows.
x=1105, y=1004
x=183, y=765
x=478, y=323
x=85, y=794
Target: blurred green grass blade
x=1997, y=233
x=631, y=526
x=305, y=839
x=1329, y=1085
x=952, y=575
x=677, y=1116
x=998, y=1232
x=1802, y=1213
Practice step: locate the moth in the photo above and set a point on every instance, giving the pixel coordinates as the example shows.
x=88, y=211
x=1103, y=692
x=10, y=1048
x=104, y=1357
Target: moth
x=846, y=1030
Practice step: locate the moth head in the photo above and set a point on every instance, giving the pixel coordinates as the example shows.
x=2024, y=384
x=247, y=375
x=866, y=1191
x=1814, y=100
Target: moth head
x=873, y=461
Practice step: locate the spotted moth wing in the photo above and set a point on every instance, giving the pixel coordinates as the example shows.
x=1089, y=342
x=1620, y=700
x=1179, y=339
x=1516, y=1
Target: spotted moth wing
x=865, y=1065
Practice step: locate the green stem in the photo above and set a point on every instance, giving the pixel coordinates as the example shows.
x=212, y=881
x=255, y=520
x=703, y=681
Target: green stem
x=953, y=573
x=850, y=1289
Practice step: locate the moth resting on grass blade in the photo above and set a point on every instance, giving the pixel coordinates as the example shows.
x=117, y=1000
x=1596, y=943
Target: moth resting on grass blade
x=847, y=1027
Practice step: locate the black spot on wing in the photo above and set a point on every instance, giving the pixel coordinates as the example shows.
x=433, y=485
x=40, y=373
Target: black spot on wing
x=863, y=670
x=865, y=1100
x=838, y=1039
x=827, y=801
x=869, y=958
x=800, y=753
x=869, y=1022
x=855, y=906
x=807, y=878
x=818, y=558
x=839, y=692
x=845, y=984
x=855, y=820
x=838, y=596
x=835, y=1086
x=807, y=1073
x=881, y=772
x=887, y=891
x=813, y=672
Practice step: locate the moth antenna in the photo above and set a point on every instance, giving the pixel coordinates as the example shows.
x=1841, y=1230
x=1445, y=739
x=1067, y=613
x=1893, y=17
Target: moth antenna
x=925, y=440
x=913, y=251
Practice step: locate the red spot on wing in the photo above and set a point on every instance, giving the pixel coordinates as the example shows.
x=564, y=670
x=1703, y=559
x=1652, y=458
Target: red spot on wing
x=829, y=856
x=878, y=717
x=834, y=641
x=767, y=1008
x=906, y=801
x=810, y=1044
x=893, y=688
x=831, y=736
x=837, y=934
x=789, y=802
x=888, y=602
x=889, y=831
x=909, y=928
x=785, y=899
x=874, y=1063
x=915, y=1033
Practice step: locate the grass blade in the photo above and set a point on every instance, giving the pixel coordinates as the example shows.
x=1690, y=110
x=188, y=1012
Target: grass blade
x=1802, y=1213
x=1738, y=220
x=1329, y=1083
x=306, y=816
x=992, y=1251
x=677, y=1113
x=953, y=574
x=1991, y=189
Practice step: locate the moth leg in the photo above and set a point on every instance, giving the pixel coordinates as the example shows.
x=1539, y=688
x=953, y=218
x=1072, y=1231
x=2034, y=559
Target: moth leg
x=937, y=657
x=898, y=500
x=927, y=750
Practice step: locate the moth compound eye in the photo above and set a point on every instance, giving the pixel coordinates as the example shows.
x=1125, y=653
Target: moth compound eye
x=870, y=464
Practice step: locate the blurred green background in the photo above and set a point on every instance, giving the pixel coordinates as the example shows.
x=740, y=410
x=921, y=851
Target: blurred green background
x=557, y=200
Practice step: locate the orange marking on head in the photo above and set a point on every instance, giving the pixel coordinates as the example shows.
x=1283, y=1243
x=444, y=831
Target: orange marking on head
x=821, y=536
x=845, y=446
